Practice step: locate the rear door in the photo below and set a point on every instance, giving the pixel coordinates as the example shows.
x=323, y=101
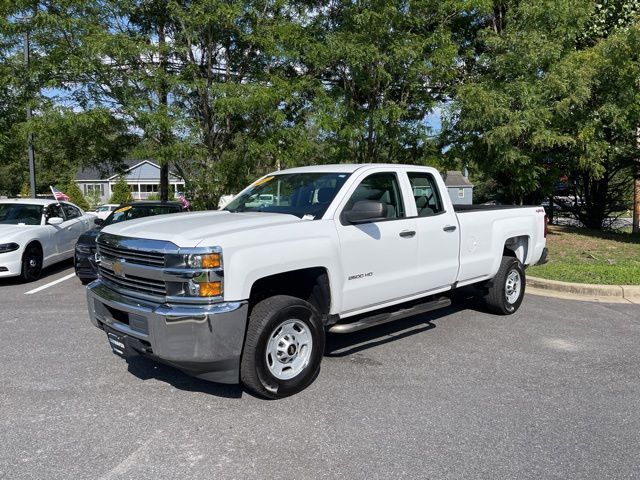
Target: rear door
x=378, y=258
x=437, y=231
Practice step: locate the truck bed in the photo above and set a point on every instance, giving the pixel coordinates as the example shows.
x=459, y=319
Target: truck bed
x=475, y=208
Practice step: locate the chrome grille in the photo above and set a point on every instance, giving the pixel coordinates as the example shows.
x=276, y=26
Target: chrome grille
x=154, y=259
x=133, y=283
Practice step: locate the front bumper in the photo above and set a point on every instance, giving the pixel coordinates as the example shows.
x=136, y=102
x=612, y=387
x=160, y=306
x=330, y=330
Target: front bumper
x=11, y=263
x=203, y=341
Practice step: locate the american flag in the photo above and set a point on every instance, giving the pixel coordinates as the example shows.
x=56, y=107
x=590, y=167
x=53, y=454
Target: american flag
x=59, y=195
x=185, y=203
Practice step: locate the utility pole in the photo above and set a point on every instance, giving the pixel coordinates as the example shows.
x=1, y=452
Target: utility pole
x=32, y=159
x=164, y=101
x=636, y=187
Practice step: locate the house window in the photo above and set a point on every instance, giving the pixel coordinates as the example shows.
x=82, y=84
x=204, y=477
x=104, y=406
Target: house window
x=461, y=193
x=90, y=188
x=149, y=188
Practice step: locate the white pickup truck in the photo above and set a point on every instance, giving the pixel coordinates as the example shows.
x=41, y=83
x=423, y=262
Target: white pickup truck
x=246, y=294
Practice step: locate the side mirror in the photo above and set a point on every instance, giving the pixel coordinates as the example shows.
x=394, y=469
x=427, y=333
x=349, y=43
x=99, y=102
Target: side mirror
x=98, y=221
x=364, y=211
x=55, y=220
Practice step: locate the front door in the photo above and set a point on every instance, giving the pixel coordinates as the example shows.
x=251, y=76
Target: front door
x=378, y=258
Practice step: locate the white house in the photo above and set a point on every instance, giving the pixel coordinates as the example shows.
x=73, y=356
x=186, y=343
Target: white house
x=143, y=177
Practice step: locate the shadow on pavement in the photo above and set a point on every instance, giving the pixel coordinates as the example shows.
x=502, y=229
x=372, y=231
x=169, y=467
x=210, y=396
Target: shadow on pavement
x=46, y=273
x=343, y=345
x=337, y=345
x=145, y=369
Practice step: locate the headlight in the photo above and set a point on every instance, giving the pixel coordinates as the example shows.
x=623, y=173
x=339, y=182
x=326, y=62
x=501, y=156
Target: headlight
x=8, y=247
x=205, y=260
x=80, y=248
x=200, y=269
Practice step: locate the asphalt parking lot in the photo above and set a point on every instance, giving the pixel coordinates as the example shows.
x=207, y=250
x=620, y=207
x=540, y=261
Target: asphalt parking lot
x=550, y=392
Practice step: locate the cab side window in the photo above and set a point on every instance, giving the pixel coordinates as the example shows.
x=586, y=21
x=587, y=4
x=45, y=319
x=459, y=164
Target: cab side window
x=381, y=187
x=70, y=211
x=425, y=194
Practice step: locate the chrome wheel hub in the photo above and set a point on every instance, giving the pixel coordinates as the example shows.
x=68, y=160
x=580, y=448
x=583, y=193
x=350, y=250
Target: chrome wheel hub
x=513, y=286
x=289, y=349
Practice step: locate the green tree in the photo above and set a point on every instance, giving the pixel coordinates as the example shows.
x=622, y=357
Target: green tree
x=505, y=114
x=121, y=192
x=75, y=194
x=69, y=132
x=93, y=198
x=385, y=66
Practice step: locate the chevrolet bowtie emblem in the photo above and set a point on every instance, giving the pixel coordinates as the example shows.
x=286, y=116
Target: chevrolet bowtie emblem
x=118, y=268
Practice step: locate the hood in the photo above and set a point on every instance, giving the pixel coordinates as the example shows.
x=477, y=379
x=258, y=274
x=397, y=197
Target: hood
x=89, y=237
x=188, y=229
x=9, y=232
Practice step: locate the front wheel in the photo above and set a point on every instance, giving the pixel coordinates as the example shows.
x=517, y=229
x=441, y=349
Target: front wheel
x=31, y=263
x=283, y=348
x=506, y=290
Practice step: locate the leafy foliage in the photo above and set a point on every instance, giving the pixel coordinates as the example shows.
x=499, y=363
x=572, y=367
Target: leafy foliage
x=121, y=192
x=225, y=91
x=75, y=194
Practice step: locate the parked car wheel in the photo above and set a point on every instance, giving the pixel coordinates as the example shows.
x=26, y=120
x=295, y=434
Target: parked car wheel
x=283, y=347
x=506, y=290
x=31, y=263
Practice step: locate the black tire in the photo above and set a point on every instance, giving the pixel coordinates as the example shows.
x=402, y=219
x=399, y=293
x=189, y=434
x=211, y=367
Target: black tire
x=265, y=318
x=31, y=263
x=497, y=297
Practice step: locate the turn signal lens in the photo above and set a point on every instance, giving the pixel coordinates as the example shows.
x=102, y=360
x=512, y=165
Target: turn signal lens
x=210, y=289
x=211, y=260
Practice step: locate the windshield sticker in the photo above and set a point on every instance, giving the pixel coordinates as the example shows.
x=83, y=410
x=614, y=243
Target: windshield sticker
x=123, y=209
x=264, y=180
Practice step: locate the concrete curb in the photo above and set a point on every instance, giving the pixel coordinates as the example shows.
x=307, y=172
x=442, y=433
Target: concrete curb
x=590, y=292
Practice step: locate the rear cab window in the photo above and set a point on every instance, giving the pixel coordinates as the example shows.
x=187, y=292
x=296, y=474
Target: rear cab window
x=425, y=194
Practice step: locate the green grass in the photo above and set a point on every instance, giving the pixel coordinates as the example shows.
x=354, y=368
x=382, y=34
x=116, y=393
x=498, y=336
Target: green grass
x=589, y=256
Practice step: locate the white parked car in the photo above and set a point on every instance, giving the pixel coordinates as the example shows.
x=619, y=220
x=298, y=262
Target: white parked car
x=103, y=211
x=37, y=233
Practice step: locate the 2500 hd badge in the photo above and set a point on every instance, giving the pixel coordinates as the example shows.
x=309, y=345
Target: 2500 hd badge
x=360, y=275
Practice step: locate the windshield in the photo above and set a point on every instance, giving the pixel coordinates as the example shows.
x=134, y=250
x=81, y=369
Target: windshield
x=299, y=194
x=130, y=212
x=18, y=213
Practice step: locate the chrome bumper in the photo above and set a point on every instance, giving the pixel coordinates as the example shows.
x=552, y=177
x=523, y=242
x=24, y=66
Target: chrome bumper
x=204, y=341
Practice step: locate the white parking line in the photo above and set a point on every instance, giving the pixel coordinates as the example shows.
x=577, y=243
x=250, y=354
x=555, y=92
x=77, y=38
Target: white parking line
x=50, y=284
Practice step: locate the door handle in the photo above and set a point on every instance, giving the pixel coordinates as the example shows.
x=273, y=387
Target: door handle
x=450, y=228
x=407, y=233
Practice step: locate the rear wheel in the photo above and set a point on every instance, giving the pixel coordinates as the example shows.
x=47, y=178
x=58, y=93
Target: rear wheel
x=506, y=290
x=283, y=347
x=31, y=263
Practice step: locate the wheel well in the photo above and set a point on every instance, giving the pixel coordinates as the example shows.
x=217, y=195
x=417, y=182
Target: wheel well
x=309, y=284
x=37, y=244
x=517, y=247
